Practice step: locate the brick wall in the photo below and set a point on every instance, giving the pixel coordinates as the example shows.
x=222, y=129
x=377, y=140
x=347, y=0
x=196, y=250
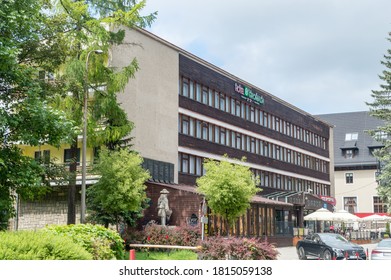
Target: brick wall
x=182, y=203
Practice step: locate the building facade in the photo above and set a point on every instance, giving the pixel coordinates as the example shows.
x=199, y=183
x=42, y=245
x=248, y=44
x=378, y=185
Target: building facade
x=354, y=163
x=186, y=110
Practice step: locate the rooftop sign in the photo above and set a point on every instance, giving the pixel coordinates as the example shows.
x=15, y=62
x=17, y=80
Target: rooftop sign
x=247, y=94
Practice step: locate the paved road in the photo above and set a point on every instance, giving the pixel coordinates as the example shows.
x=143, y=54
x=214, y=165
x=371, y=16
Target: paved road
x=289, y=253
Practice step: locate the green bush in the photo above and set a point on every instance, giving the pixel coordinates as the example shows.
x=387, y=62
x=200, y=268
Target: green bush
x=102, y=243
x=39, y=245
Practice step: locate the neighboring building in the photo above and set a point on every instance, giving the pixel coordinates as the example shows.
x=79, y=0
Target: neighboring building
x=354, y=163
x=185, y=110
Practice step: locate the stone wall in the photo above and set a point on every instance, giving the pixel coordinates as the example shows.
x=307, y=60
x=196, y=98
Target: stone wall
x=52, y=209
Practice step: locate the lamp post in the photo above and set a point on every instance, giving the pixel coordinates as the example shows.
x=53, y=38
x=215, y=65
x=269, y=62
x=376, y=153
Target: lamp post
x=84, y=148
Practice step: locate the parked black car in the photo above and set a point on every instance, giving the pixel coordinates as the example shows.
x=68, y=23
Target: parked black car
x=329, y=246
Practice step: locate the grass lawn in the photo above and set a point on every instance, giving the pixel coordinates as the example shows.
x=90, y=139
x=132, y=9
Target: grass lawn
x=165, y=255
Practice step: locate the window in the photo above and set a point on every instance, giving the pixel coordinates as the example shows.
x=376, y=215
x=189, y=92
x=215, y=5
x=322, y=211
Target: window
x=210, y=97
x=350, y=204
x=43, y=156
x=185, y=87
x=68, y=156
x=237, y=108
x=191, y=94
x=380, y=135
x=198, y=166
x=351, y=136
x=349, y=178
x=379, y=205
x=205, y=131
x=238, y=141
x=349, y=153
x=205, y=95
x=198, y=92
x=222, y=102
x=185, y=125
x=185, y=163
x=222, y=136
x=252, y=114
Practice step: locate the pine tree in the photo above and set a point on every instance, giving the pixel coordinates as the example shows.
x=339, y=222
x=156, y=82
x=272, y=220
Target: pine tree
x=380, y=108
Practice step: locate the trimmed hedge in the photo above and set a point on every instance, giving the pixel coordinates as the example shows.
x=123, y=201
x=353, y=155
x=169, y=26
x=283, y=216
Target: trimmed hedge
x=101, y=242
x=39, y=245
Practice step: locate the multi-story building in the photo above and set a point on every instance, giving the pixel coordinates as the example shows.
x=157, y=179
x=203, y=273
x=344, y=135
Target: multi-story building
x=354, y=163
x=186, y=109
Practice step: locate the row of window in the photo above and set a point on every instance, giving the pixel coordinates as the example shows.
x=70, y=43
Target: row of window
x=44, y=155
x=207, y=96
x=193, y=165
x=214, y=133
x=350, y=204
x=349, y=177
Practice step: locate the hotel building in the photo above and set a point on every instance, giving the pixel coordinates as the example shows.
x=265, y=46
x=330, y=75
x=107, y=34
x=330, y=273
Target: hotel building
x=186, y=109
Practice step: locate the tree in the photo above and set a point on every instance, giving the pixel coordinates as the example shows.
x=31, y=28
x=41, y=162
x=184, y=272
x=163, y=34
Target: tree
x=26, y=113
x=228, y=187
x=119, y=195
x=84, y=26
x=380, y=108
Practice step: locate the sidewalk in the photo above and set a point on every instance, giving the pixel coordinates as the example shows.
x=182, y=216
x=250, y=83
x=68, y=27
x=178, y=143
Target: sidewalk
x=289, y=253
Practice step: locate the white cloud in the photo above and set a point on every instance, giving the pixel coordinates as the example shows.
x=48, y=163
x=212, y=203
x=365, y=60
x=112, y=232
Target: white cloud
x=321, y=56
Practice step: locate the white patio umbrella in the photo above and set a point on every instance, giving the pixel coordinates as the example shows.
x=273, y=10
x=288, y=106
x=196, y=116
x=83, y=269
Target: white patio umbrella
x=376, y=218
x=321, y=214
x=345, y=216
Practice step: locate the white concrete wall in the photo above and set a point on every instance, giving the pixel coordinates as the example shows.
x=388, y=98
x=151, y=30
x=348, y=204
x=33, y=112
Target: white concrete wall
x=151, y=99
x=363, y=187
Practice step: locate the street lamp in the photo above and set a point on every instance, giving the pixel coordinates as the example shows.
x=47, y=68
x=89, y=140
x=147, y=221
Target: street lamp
x=84, y=148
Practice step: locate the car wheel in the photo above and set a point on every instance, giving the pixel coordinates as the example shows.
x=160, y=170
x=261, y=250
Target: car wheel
x=327, y=255
x=301, y=253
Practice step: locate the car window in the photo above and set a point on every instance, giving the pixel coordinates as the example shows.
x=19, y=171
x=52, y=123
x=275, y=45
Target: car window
x=333, y=238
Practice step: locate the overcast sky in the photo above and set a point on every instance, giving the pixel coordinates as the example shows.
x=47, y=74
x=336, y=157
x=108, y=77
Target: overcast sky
x=322, y=56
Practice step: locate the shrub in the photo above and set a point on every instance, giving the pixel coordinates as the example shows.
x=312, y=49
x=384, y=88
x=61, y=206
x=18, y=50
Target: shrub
x=180, y=236
x=221, y=248
x=101, y=242
x=39, y=245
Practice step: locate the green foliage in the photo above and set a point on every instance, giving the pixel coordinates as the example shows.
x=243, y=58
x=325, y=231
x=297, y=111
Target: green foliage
x=228, y=188
x=39, y=245
x=121, y=188
x=100, y=242
x=380, y=108
x=219, y=248
x=82, y=28
x=26, y=113
x=179, y=236
x=388, y=228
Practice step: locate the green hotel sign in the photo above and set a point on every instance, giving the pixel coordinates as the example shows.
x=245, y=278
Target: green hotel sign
x=248, y=94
